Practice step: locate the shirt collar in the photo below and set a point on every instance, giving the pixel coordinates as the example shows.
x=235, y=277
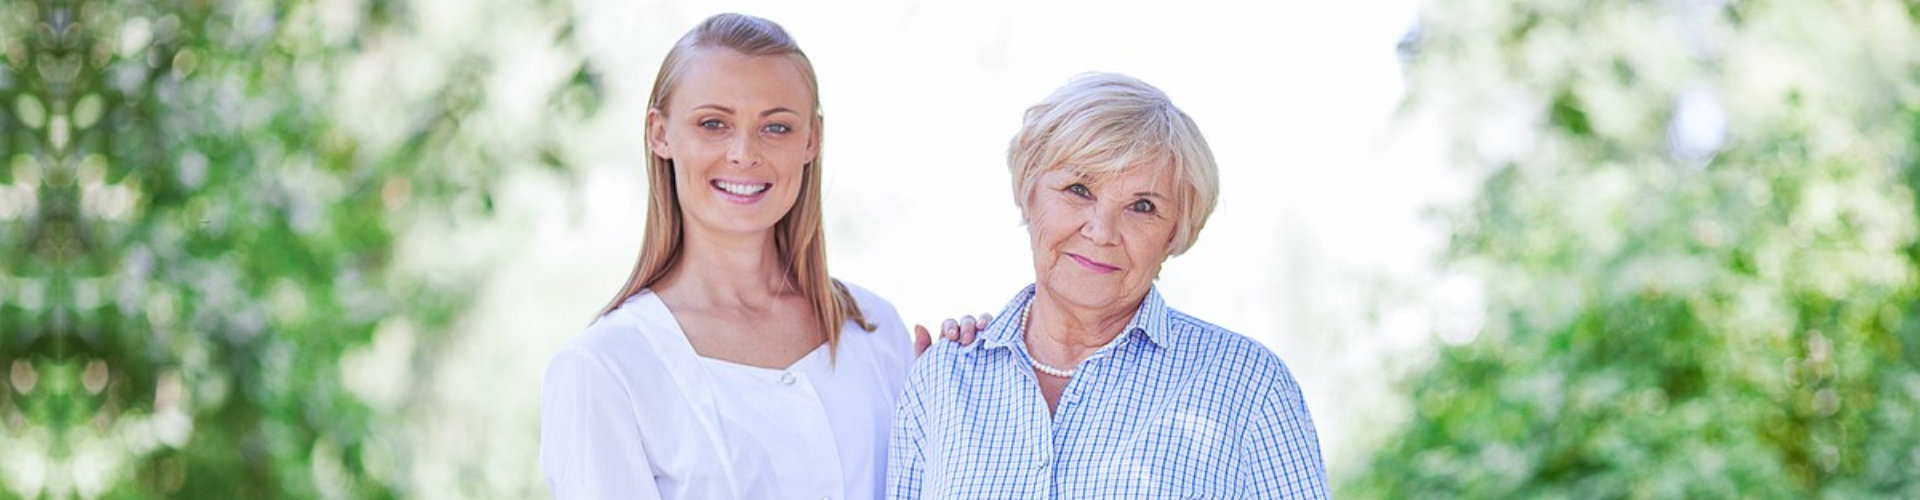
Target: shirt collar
x=1149, y=321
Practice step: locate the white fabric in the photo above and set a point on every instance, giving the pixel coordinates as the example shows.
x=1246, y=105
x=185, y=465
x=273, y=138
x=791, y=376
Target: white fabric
x=630, y=411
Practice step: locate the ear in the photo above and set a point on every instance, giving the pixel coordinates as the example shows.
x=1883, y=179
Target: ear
x=657, y=134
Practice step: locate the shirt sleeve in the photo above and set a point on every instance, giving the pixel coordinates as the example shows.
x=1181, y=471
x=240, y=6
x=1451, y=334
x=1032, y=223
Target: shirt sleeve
x=590, y=443
x=906, y=461
x=897, y=346
x=1285, y=459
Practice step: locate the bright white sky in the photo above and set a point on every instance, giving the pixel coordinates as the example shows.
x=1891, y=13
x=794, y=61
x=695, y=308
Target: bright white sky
x=1318, y=248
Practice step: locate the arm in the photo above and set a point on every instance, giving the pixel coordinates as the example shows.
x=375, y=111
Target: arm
x=590, y=444
x=906, y=460
x=1284, y=449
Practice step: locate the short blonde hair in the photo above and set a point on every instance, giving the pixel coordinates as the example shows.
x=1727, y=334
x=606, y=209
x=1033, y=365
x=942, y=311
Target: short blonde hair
x=1102, y=123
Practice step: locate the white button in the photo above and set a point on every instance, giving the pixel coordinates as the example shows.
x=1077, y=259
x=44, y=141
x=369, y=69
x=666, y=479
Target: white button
x=786, y=378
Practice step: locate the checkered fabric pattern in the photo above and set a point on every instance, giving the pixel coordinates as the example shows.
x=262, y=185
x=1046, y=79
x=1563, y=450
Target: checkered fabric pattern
x=1172, y=408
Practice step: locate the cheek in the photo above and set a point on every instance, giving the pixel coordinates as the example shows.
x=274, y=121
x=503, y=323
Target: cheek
x=1150, y=242
x=1050, y=222
x=681, y=174
x=791, y=161
x=789, y=184
x=793, y=147
x=688, y=146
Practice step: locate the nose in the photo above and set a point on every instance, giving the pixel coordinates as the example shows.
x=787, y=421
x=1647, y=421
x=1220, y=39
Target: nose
x=743, y=152
x=1100, y=227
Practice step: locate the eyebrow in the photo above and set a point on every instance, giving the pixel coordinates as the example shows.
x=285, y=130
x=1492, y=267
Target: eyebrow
x=730, y=111
x=1082, y=175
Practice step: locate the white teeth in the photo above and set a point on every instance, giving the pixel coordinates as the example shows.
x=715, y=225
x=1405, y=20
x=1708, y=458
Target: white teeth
x=741, y=189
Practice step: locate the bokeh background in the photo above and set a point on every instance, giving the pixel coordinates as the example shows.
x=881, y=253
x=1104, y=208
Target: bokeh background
x=1510, y=248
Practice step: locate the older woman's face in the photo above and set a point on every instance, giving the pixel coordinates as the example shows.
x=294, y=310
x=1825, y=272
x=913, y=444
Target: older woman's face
x=1097, y=244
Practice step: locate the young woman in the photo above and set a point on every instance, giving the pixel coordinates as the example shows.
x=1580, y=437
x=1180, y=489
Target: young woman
x=731, y=365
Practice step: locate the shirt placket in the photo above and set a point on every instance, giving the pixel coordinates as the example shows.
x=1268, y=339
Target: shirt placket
x=1039, y=431
x=1071, y=418
x=812, y=414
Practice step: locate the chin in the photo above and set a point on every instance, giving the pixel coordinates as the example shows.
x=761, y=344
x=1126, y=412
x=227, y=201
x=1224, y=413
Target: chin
x=756, y=225
x=741, y=223
x=1086, y=294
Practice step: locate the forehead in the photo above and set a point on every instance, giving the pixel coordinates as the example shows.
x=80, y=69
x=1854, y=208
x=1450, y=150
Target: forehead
x=745, y=83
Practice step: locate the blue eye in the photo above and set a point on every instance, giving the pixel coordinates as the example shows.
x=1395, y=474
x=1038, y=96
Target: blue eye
x=1142, y=206
x=712, y=124
x=779, y=128
x=1080, y=190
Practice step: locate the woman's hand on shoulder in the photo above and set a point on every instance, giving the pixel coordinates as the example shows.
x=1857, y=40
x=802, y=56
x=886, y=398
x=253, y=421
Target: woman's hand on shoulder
x=962, y=331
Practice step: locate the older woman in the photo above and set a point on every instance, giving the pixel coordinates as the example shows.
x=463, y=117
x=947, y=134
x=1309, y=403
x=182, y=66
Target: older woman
x=1089, y=385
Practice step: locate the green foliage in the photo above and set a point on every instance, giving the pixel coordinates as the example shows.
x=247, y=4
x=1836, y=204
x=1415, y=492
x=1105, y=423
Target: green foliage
x=195, y=227
x=1673, y=312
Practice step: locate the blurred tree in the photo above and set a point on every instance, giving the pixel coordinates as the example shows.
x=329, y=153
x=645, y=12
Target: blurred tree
x=195, y=226
x=1696, y=230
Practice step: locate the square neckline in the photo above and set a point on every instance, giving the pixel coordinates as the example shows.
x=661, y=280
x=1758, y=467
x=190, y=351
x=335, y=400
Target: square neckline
x=680, y=335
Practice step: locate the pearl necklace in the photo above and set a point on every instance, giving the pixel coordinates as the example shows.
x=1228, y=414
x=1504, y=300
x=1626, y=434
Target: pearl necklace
x=1037, y=365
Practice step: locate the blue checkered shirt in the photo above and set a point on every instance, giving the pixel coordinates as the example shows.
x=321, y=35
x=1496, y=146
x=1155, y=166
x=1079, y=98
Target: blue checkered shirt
x=1173, y=408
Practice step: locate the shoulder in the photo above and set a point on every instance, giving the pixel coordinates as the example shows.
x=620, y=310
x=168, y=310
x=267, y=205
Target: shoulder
x=931, y=377
x=871, y=305
x=1283, y=447
x=949, y=366
x=1233, y=356
x=947, y=361
x=613, y=346
x=888, y=342
x=877, y=312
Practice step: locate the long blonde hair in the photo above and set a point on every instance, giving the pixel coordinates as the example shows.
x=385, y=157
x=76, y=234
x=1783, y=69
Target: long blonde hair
x=798, y=237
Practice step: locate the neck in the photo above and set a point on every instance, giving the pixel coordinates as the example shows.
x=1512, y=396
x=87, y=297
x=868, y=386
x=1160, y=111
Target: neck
x=740, y=271
x=1062, y=335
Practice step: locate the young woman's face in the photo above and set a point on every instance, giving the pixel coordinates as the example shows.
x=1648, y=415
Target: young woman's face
x=738, y=129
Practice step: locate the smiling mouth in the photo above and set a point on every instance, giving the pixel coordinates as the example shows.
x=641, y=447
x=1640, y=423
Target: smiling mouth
x=1092, y=265
x=739, y=189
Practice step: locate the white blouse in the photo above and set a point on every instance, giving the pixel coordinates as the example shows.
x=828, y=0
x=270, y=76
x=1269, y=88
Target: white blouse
x=630, y=411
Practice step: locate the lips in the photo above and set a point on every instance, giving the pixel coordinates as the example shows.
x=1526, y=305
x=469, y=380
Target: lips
x=1092, y=265
x=742, y=188
x=741, y=192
